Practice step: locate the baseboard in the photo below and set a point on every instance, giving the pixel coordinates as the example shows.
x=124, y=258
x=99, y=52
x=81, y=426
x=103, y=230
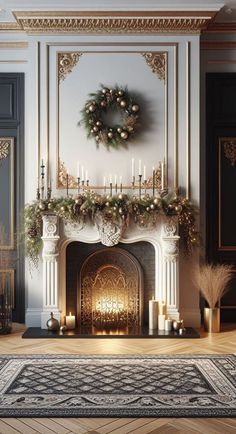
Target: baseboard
x=33, y=317
x=191, y=317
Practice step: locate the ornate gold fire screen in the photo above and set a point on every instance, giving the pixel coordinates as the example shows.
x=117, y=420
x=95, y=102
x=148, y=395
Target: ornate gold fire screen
x=111, y=290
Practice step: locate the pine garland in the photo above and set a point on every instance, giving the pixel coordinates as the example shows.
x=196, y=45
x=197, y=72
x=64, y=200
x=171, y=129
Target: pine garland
x=144, y=211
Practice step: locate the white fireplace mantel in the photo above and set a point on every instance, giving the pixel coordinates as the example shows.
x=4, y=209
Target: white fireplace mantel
x=58, y=234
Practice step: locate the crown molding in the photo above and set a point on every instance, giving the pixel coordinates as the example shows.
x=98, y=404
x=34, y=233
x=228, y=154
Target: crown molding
x=10, y=26
x=113, y=22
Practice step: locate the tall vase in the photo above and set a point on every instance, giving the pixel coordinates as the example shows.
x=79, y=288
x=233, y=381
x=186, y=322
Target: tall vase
x=212, y=319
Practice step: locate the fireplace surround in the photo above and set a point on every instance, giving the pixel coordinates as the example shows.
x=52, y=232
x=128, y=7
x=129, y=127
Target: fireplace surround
x=58, y=238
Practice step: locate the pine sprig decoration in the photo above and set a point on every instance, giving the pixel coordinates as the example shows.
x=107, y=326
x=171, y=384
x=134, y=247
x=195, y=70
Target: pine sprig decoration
x=104, y=100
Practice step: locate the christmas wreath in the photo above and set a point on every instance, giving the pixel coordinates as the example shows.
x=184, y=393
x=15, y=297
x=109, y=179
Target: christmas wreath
x=98, y=105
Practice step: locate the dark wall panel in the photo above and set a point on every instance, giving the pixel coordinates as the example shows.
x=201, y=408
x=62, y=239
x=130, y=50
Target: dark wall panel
x=220, y=177
x=12, y=178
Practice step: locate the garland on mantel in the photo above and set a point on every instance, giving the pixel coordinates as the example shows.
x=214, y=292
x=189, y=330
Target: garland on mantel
x=122, y=207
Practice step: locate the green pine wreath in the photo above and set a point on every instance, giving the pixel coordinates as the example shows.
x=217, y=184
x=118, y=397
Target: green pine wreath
x=99, y=103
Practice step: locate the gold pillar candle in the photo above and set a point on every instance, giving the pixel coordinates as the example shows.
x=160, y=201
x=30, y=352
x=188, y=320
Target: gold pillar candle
x=153, y=314
x=161, y=322
x=70, y=322
x=168, y=325
x=162, y=308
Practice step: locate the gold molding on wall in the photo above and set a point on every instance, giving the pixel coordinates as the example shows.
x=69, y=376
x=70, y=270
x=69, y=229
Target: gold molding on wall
x=108, y=22
x=7, y=147
x=66, y=62
x=157, y=63
x=7, y=45
x=222, y=142
x=4, y=148
x=161, y=69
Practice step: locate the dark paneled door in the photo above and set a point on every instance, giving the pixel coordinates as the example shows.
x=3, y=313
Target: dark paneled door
x=220, y=175
x=12, y=183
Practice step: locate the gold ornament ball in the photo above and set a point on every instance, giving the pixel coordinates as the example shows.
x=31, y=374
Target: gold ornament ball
x=103, y=104
x=155, y=201
x=114, y=208
x=107, y=204
x=95, y=129
x=91, y=131
x=147, y=208
x=120, y=92
x=120, y=211
x=110, y=134
x=120, y=196
x=124, y=135
x=123, y=103
x=119, y=129
x=111, y=91
x=135, y=108
x=104, y=90
x=92, y=108
x=152, y=206
x=42, y=206
x=118, y=99
x=62, y=208
x=97, y=138
x=98, y=123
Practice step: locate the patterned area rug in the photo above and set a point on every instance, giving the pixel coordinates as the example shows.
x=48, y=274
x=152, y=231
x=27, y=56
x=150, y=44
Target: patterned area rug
x=123, y=386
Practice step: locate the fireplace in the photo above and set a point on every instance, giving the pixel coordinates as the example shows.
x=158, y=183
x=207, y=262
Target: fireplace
x=110, y=290
x=109, y=287
x=119, y=280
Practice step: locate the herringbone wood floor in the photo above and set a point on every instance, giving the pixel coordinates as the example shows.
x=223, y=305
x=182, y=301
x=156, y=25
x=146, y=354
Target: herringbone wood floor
x=221, y=343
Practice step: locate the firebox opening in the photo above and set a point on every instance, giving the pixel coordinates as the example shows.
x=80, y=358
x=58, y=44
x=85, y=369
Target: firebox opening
x=108, y=288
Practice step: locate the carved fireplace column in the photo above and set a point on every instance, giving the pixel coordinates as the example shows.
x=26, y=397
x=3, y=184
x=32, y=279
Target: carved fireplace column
x=170, y=286
x=50, y=256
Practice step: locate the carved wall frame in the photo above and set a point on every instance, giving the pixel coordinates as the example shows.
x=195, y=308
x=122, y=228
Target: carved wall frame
x=156, y=60
x=229, y=144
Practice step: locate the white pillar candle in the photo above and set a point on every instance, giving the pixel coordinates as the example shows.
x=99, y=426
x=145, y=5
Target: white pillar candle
x=161, y=322
x=70, y=322
x=168, y=325
x=82, y=173
x=140, y=167
x=153, y=314
x=86, y=175
x=115, y=179
x=132, y=166
x=104, y=181
x=144, y=173
x=110, y=178
x=78, y=169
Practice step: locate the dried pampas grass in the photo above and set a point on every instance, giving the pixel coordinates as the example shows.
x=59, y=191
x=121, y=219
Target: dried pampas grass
x=212, y=281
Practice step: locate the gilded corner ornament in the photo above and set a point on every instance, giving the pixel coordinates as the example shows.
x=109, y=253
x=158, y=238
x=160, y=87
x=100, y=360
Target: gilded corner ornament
x=62, y=177
x=158, y=63
x=230, y=150
x=4, y=148
x=66, y=62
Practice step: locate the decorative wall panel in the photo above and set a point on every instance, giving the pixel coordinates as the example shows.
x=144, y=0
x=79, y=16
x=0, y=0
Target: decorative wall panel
x=7, y=191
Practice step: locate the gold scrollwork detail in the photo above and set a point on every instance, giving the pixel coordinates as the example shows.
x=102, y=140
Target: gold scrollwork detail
x=117, y=24
x=157, y=63
x=4, y=148
x=230, y=150
x=62, y=177
x=66, y=62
